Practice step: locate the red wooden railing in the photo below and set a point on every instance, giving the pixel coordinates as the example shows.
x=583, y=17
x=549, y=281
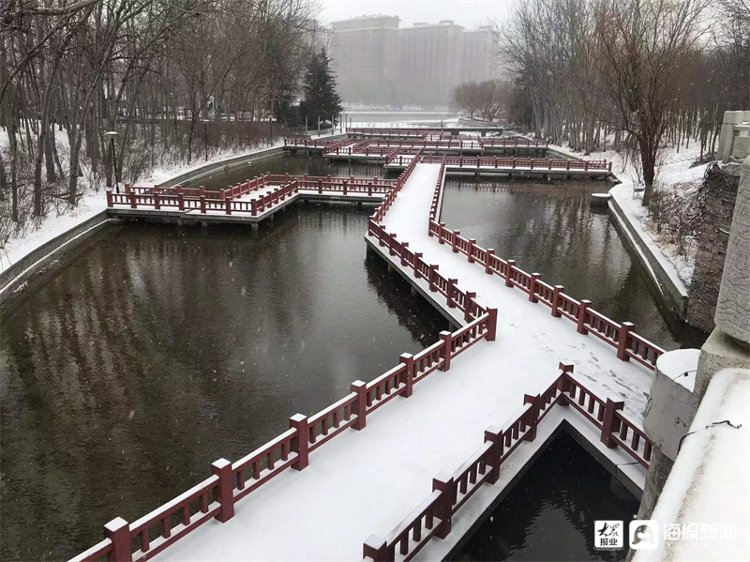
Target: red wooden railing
x=433, y=517
x=306, y=142
x=620, y=336
x=537, y=164
x=224, y=200
x=512, y=142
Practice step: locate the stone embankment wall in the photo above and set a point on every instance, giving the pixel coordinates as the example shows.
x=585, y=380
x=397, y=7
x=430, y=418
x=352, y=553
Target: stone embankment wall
x=722, y=182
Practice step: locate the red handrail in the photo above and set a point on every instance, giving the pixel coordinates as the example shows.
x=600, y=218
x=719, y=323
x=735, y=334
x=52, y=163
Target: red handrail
x=484, y=465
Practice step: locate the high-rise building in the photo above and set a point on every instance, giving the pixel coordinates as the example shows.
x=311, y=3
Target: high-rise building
x=479, y=56
x=430, y=62
x=364, y=53
x=378, y=63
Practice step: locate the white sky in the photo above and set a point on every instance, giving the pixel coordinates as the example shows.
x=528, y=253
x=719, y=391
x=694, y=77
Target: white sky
x=469, y=13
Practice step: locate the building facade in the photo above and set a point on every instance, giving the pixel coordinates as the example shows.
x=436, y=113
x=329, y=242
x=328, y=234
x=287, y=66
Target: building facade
x=378, y=63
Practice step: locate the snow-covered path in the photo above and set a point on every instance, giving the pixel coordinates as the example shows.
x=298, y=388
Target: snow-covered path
x=366, y=482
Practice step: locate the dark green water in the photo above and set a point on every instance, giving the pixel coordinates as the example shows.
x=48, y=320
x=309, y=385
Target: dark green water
x=312, y=164
x=154, y=350
x=550, y=228
x=549, y=514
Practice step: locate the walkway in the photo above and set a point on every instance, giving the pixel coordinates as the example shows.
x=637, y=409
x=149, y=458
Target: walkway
x=365, y=482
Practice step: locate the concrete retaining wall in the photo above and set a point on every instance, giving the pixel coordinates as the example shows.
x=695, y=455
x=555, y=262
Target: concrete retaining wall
x=14, y=278
x=672, y=289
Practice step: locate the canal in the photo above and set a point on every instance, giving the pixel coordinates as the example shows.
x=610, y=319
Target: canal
x=149, y=352
x=549, y=514
x=154, y=350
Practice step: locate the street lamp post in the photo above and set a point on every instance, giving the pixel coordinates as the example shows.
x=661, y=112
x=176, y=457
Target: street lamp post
x=111, y=136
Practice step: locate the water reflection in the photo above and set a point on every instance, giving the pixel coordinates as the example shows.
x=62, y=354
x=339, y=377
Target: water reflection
x=153, y=351
x=549, y=514
x=312, y=164
x=550, y=228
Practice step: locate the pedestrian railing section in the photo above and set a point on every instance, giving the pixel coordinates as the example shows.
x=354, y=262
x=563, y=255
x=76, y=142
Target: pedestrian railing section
x=278, y=189
x=490, y=142
x=433, y=518
x=306, y=142
x=484, y=162
x=620, y=336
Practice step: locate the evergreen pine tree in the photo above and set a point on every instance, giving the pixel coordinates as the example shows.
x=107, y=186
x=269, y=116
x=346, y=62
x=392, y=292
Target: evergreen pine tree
x=321, y=101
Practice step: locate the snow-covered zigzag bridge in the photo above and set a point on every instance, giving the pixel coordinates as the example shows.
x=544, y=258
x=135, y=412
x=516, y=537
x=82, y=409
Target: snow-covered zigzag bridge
x=371, y=481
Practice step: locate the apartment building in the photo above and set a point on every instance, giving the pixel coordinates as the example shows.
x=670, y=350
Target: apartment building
x=379, y=63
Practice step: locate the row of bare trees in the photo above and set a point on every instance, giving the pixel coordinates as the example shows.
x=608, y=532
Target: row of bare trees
x=646, y=72
x=490, y=98
x=151, y=70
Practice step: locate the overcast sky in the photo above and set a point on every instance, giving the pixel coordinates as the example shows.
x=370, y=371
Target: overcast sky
x=469, y=13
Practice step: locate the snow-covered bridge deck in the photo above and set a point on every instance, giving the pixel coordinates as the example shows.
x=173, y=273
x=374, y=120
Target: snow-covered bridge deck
x=365, y=482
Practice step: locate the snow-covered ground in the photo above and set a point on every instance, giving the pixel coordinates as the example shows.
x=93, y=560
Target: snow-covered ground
x=673, y=173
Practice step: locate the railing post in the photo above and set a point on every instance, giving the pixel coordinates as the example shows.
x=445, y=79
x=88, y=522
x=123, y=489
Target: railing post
x=441, y=231
x=369, y=188
x=374, y=547
x=622, y=341
x=495, y=454
x=488, y=261
x=360, y=389
x=254, y=207
x=345, y=187
x=447, y=339
x=228, y=206
x=451, y=293
x=456, y=234
x=472, y=249
x=469, y=305
x=447, y=486
x=491, y=324
x=118, y=531
x=556, y=300
x=408, y=360
x=531, y=418
x=180, y=200
x=299, y=423
x=415, y=265
x=225, y=492
x=431, y=280
x=509, y=273
x=404, y=246
x=585, y=304
x=392, y=242
x=320, y=185
x=562, y=386
x=133, y=202
x=610, y=424
x=532, y=287
x=109, y=198
x=203, y=203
